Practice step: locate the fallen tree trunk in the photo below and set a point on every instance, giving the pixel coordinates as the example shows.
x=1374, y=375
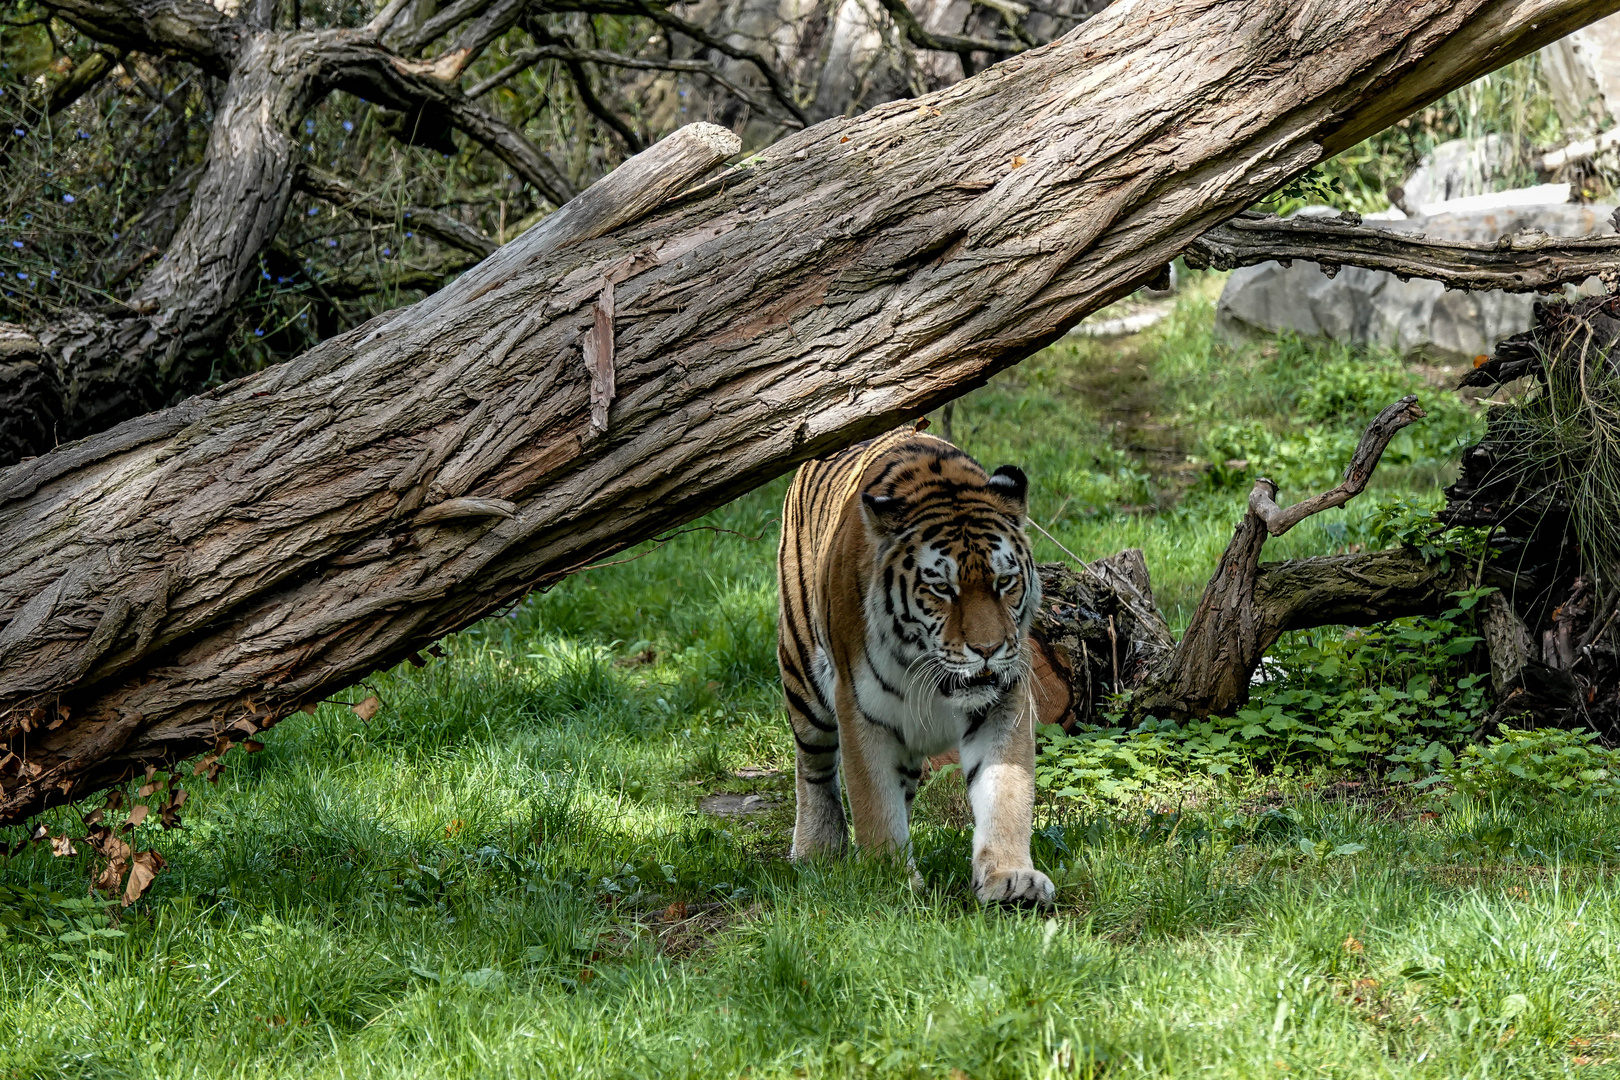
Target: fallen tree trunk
x=651, y=351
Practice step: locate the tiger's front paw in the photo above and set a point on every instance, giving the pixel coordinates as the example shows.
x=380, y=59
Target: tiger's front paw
x=1016, y=888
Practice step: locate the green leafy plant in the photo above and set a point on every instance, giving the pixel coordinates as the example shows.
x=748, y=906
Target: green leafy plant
x=1543, y=764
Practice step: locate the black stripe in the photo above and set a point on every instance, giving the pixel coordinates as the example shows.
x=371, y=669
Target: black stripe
x=814, y=750
x=972, y=774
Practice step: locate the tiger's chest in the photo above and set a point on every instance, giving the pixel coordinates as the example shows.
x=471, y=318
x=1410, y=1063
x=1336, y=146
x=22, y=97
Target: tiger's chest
x=900, y=697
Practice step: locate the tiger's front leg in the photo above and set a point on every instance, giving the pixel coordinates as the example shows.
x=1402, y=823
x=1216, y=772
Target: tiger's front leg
x=881, y=776
x=998, y=765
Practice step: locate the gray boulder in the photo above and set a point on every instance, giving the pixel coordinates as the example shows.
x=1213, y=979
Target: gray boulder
x=1416, y=316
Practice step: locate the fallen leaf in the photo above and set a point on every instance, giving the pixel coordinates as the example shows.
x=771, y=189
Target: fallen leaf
x=1018, y=161
x=455, y=826
x=62, y=846
x=1481, y=360
x=309, y=707
x=61, y=718
x=417, y=659
x=251, y=746
x=435, y=650
x=171, y=809
x=144, y=790
x=1351, y=945
x=367, y=708
x=143, y=868
x=844, y=139
x=137, y=814
x=675, y=912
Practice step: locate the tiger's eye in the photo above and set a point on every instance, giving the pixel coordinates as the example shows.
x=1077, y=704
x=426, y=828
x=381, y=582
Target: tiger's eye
x=1005, y=582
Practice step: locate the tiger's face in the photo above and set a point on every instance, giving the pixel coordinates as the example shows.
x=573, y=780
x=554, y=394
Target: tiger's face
x=954, y=589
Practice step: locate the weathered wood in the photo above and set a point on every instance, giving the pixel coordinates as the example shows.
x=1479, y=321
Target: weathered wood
x=1078, y=669
x=1239, y=617
x=1374, y=441
x=1529, y=261
x=213, y=567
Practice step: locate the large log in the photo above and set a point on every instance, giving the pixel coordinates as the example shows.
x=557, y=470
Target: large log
x=650, y=352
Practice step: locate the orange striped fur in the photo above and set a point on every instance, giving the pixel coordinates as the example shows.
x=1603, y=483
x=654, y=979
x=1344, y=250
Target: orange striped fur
x=907, y=593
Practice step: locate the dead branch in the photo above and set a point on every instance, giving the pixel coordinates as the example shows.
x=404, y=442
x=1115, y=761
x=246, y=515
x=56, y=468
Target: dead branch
x=1528, y=261
x=1373, y=442
x=440, y=226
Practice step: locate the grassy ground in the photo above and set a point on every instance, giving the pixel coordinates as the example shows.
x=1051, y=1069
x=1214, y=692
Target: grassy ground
x=508, y=870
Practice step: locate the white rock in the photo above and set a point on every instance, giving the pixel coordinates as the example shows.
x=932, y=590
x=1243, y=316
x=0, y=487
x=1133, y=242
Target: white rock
x=1583, y=71
x=1373, y=307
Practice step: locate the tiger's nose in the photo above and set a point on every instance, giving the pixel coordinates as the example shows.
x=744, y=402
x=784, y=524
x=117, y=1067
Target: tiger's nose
x=983, y=650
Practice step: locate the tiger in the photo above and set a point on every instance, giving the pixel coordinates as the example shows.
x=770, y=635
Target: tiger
x=907, y=592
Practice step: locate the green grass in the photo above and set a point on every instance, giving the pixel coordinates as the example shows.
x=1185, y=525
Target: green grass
x=486, y=879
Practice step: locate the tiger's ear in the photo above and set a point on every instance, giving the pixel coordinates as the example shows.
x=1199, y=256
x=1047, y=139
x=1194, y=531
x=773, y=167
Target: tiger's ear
x=1011, y=484
x=882, y=512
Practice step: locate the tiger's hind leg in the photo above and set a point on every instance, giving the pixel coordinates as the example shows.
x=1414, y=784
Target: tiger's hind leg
x=819, y=827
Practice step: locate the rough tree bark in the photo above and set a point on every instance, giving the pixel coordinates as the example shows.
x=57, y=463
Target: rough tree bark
x=212, y=567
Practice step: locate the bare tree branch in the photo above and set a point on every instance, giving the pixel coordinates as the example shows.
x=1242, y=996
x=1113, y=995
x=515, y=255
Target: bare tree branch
x=1374, y=441
x=956, y=43
x=773, y=78
x=1529, y=261
x=192, y=30
x=524, y=59
x=422, y=219
x=587, y=93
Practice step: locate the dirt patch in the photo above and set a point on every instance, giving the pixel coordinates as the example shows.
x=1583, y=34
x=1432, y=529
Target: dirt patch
x=737, y=805
x=683, y=929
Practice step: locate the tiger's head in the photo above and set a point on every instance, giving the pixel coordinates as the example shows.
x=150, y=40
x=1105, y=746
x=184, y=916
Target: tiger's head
x=953, y=589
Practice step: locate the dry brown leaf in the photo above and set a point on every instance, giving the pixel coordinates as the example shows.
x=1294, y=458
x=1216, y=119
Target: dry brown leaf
x=417, y=659
x=170, y=815
x=137, y=814
x=367, y=708
x=94, y=817
x=143, y=868
x=1019, y=161
x=144, y=790
x=309, y=707
x=41, y=832
x=1351, y=945
x=61, y=846
x=675, y=912
x=203, y=764
x=435, y=650
x=62, y=714
x=251, y=746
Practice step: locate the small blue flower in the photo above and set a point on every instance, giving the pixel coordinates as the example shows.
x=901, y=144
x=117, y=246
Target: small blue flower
x=16, y=243
x=309, y=126
x=22, y=276
x=67, y=198
x=348, y=125
x=83, y=134
x=314, y=210
x=408, y=236
x=258, y=331
x=18, y=131
x=265, y=274
x=331, y=243
x=386, y=251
